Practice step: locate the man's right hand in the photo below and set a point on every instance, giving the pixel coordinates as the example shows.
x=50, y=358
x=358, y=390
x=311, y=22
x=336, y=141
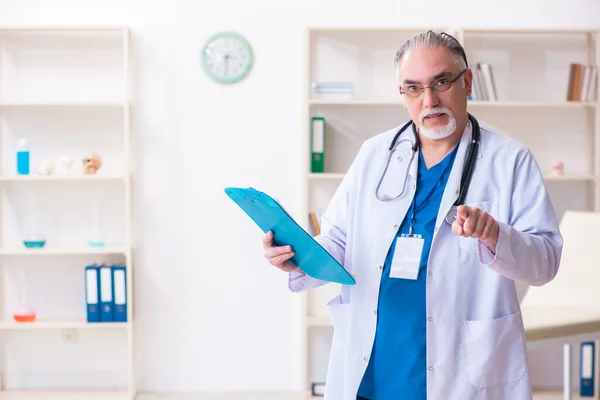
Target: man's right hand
x=279, y=256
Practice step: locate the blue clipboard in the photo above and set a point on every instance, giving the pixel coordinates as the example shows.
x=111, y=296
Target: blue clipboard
x=309, y=255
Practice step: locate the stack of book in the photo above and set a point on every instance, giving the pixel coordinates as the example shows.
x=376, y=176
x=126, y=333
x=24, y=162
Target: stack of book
x=583, y=82
x=333, y=90
x=484, y=87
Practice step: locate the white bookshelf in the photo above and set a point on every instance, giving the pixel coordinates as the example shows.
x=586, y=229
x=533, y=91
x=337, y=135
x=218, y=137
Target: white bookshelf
x=67, y=91
x=58, y=178
x=531, y=72
x=474, y=103
x=61, y=324
x=65, y=250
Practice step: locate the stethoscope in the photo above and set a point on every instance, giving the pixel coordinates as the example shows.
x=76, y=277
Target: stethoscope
x=466, y=175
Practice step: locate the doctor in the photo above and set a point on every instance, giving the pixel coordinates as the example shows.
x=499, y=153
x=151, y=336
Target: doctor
x=434, y=313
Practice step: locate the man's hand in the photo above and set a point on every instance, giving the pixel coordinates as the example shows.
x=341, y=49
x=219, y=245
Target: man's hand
x=476, y=223
x=279, y=256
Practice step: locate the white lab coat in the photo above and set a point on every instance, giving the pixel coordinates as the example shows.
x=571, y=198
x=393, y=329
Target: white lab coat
x=476, y=345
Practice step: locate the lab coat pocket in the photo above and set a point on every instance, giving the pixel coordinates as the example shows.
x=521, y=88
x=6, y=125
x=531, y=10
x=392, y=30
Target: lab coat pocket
x=495, y=351
x=340, y=316
x=470, y=245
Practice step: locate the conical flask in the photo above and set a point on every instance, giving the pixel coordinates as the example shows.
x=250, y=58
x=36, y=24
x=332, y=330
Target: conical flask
x=33, y=238
x=24, y=312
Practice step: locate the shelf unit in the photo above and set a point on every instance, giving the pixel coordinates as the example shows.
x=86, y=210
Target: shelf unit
x=543, y=119
x=67, y=91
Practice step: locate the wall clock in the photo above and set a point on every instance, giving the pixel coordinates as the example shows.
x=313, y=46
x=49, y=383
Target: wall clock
x=227, y=57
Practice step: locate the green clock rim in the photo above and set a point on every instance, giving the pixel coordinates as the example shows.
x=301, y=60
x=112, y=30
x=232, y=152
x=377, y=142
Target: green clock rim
x=247, y=66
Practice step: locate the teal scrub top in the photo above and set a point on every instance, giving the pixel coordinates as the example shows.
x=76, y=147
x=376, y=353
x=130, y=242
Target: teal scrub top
x=397, y=368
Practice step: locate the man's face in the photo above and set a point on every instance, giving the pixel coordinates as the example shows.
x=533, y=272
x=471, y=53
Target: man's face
x=436, y=113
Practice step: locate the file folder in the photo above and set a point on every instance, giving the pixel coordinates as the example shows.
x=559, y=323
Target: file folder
x=317, y=144
x=106, y=294
x=587, y=372
x=92, y=290
x=119, y=280
x=309, y=255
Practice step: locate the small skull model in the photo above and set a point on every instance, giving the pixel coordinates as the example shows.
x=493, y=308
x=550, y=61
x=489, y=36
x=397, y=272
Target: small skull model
x=46, y=167
x=63, y=164
x=91, y=163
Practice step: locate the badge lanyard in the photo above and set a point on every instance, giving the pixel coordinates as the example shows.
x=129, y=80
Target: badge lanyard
x=409, y=247
x=415, y=209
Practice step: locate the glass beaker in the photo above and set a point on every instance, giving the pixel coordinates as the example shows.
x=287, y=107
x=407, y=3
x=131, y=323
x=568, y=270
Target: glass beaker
x=33, y=237
x=96, y=238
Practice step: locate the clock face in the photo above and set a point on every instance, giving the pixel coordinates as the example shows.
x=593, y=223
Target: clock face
x=227, y=57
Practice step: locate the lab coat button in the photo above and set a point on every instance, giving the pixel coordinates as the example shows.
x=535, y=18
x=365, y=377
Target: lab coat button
x=365, y=359
x=431, y=368
x=429, y=319
x=430, y=273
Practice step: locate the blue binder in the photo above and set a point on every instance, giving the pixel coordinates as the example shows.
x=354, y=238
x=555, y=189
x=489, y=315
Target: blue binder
x=587, y=370
x=106, y=294
x=92, y=293
x=309, y=255
x=119, y=281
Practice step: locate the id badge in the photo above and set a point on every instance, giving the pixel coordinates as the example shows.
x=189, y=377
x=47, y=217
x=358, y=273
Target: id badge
x=407, y=257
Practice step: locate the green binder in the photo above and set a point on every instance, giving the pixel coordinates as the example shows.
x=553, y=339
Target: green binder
x=317, y=144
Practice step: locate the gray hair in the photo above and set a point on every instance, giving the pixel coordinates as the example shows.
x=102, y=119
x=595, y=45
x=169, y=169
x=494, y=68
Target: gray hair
x=431, y=39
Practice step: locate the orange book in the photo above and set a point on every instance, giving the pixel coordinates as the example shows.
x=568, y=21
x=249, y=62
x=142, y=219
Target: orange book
x=315, y=223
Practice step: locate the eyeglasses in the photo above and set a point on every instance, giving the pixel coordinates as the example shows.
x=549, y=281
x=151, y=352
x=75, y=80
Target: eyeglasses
x=441, y=85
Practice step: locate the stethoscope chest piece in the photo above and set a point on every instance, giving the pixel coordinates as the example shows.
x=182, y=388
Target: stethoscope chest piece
x=451, y=215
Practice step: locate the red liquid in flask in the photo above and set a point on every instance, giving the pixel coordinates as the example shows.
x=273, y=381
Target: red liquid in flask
x=26, y=314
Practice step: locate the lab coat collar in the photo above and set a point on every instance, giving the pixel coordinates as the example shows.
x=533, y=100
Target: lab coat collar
x=460, y=155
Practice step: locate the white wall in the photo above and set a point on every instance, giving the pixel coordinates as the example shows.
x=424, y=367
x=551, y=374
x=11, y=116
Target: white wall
x=210, y=314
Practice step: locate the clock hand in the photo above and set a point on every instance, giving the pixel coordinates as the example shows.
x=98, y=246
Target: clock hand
x=226, y=60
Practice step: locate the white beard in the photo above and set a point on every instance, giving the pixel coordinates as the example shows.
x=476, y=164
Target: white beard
x=439, y=132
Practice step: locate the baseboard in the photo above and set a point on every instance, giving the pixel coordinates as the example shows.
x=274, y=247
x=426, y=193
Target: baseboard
x=538, y=395
x=223, y=396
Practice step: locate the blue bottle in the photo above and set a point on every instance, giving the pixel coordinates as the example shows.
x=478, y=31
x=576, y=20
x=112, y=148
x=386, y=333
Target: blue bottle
x=22, y=157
